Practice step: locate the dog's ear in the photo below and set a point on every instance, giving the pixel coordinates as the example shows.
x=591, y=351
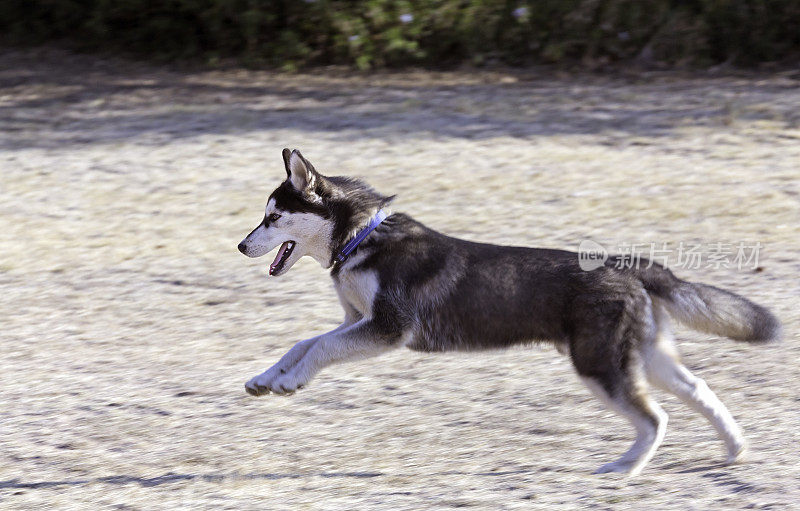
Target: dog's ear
x=286, y=154
x=299, y=170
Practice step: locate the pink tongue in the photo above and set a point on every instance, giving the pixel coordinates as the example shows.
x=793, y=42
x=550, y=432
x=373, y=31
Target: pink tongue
x=279, y=256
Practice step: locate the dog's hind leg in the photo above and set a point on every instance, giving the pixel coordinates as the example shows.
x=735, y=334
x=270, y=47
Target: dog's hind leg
x=646, y=416
x=604, y=348
x=665, y=371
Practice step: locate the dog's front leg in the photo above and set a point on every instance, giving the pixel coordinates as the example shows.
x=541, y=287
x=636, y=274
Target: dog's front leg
x=259, y=385
x=360, y=340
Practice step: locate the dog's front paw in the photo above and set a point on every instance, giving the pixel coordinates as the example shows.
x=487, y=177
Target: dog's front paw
x=258, y=385
x=264, y=382
x=276, y=381
x=287, y=384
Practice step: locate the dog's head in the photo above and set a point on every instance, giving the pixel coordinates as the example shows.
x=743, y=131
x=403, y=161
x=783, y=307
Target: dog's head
x=310, y=214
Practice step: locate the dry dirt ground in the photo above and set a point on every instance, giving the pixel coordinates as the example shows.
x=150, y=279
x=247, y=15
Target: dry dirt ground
x=130, y=322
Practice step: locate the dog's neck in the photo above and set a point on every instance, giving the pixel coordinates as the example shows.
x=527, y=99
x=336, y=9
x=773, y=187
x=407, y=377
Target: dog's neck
x=356, y=236
x=344, y=252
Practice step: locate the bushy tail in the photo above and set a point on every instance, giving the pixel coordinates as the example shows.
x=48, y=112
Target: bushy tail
x=719, y=312
x=710, y=309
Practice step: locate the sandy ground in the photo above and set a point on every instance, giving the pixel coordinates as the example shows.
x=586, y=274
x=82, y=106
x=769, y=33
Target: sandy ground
x=130, y=322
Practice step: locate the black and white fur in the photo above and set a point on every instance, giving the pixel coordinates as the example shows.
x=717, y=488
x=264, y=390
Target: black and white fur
x=408, y=285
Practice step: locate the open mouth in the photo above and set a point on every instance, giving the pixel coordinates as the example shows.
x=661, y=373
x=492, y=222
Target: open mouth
x=283, y=255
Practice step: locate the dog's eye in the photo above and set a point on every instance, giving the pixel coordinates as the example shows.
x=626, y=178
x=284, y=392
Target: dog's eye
x=273, y=217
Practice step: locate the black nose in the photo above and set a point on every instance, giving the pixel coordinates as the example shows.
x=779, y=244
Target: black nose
x=243, y=248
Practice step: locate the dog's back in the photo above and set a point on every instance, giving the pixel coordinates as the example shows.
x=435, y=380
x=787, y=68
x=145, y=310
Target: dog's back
x=462, y=295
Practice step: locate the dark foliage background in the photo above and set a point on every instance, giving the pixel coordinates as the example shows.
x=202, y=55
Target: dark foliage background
x=383, y=33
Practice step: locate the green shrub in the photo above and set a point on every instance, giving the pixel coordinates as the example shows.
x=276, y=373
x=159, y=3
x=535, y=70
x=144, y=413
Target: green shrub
x=384, y=33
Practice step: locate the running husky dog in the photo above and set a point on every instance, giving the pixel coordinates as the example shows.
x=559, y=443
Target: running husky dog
x=403, y=284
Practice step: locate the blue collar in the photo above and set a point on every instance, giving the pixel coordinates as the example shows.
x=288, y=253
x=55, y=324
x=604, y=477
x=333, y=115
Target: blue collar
x=379, y=217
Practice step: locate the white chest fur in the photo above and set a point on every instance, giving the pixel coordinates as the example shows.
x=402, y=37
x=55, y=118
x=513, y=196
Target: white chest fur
x=358, y=288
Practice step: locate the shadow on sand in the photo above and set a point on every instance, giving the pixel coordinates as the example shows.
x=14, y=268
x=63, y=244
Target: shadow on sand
x=171, y=478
